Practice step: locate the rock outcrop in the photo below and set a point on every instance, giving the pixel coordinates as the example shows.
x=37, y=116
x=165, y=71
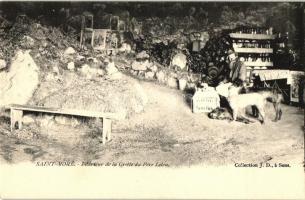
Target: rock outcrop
x=19, y=83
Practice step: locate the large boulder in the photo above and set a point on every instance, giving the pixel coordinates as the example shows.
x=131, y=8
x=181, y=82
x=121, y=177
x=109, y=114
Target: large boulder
x=92, y=59
x=125, y=48
x=160, y=76
x=111, y=68
x=142, y=55
x=172, y=82
x=149, y=75
x=80, y=58
x=136, y=65
x=2, y=64
x=153, y=68
x=100, y=72
x=85, y=69
x=27, y=42
x=141, y=65
x=64, y=120
x=69, y=51
x=179, y=60
x=71, y=66
x=55, y=69
x=19, y=83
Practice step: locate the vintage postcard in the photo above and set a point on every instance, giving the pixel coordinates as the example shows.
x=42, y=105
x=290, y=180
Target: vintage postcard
x=152, y=100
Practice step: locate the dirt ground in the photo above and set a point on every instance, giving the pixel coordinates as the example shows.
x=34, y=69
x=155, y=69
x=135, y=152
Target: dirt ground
x=166, y=132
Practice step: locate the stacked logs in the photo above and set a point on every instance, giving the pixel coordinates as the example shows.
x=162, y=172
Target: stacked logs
x=212, y=61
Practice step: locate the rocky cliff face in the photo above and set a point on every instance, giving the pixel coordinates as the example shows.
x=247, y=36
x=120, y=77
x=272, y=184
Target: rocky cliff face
x=19, y=83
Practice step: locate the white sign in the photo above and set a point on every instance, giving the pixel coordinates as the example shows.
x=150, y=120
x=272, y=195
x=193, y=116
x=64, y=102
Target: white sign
x=205, y=101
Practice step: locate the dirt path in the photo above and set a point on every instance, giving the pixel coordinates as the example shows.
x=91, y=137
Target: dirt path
x=187, y=138
x=167, y=131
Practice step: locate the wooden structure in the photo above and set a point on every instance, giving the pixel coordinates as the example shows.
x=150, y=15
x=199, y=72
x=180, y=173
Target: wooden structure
x=254, y=49
x=296, y=82
x=87, y=29
x=258, y=50
x=269, y=77
x=105, y=39
x=16, y=114
x=196, y=41
x=114, y=22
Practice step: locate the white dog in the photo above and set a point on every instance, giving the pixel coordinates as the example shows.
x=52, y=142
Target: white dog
x=257, y=99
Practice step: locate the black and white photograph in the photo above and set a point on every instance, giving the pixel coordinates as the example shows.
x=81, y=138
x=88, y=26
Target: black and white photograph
x=152, y=85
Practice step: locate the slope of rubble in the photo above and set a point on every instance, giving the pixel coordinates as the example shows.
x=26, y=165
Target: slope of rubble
x=73, y=91
x=68, y=76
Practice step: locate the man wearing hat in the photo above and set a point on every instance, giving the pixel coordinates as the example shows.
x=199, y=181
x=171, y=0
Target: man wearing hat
x=237, y=76
x=238, y=70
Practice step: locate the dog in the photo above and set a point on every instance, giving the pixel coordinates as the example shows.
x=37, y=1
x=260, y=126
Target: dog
x=257, y=99
x=220, y=113
x=276, y=98
x=225, y=114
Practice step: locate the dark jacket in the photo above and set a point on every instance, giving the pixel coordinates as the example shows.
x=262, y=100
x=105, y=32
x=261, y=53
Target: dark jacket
x=238, y=72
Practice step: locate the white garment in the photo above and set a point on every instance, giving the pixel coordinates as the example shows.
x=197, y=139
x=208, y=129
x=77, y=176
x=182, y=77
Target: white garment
x=223, y=89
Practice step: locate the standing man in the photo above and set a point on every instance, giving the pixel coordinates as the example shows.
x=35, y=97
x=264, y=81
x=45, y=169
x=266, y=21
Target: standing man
x=236, y=81
x=238, y=70
x=236, y=78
